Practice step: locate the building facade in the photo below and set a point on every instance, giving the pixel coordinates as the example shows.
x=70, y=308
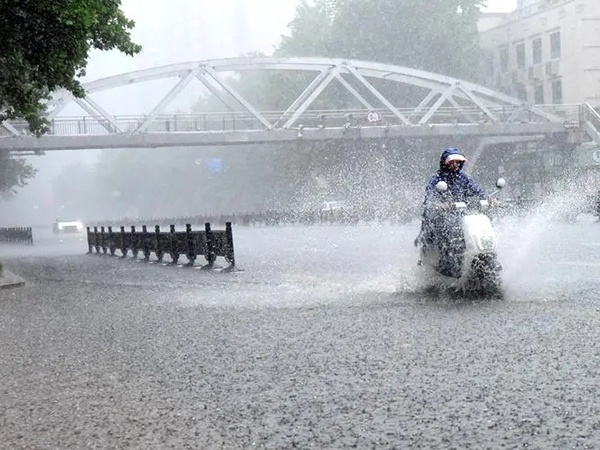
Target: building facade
x=545, y=52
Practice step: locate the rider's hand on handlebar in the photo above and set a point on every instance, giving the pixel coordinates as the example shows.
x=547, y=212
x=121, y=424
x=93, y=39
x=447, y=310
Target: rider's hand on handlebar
x=442, y=205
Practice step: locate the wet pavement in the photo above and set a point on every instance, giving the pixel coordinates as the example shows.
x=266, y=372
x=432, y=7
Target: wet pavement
x=328, y=338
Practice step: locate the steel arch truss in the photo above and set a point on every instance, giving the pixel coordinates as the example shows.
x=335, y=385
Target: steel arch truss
x=447, y=100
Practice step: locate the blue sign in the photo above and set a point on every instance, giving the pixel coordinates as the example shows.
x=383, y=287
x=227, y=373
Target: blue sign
x=215, y=165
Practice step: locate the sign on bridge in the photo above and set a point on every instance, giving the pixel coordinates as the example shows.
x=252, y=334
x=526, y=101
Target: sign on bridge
x=374, y=117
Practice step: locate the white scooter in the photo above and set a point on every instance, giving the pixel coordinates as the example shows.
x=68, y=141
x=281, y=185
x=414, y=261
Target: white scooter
x=465, y=252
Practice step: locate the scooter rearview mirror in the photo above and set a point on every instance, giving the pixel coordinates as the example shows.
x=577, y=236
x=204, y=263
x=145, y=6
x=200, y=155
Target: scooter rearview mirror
x=441, y=186
x=500, y=183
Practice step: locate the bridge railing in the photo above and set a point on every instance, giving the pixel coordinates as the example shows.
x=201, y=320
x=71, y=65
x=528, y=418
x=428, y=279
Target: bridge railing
x=589, y=114
x=231, y=121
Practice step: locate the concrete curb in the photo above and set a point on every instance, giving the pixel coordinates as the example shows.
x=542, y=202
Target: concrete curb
x=9, y=279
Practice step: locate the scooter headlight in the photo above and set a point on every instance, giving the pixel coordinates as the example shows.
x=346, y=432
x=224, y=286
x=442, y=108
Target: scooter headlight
x=486, y=243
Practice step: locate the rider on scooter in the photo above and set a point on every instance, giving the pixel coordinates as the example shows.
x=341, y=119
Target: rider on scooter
x=460, y=188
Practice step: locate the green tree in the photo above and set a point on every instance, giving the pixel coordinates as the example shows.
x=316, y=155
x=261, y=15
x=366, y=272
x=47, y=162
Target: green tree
x=45, y=46
x=310, y=30
x=14, y=172
x=438, y=35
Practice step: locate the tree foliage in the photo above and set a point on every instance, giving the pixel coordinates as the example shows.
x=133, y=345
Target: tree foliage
x=45, y=47
x=14, y=172
x=437, y=35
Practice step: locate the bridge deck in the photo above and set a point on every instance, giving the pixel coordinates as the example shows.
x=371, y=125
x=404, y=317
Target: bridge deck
x=235, y=137
x=439, y=106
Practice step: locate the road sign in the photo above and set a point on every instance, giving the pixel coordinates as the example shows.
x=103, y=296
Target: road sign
x=374, y=117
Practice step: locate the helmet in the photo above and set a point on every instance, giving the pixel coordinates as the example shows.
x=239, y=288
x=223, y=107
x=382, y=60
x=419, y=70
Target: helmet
x=448, y=156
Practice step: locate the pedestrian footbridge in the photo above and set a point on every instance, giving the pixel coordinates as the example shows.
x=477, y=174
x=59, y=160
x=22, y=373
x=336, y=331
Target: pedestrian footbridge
x=446, y=107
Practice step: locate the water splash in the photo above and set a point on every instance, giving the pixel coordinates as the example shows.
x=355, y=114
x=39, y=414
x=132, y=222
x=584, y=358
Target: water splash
x=528, y=244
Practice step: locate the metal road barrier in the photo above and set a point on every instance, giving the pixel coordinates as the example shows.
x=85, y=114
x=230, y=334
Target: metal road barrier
x=208, y=243
x=23, y=235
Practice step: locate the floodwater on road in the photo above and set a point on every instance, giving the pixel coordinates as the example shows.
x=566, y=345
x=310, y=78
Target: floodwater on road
x=328, y=337
x=542, y=260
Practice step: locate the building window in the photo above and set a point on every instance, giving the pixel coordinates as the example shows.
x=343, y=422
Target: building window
x=557, y=97
x=536, y=51
x=504, y=59
x=555, y=49
x=520, y=55
x=538, y=94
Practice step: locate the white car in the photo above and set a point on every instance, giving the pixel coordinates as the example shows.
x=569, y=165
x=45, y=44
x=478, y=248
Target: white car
x=333, y=206
x=68, y=226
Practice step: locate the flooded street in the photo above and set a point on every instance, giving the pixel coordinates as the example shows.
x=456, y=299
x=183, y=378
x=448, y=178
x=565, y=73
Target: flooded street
x=325, y=131
x=327, y=337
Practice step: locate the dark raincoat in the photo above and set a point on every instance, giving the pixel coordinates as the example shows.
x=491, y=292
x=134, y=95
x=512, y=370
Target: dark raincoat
x=460, y=188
